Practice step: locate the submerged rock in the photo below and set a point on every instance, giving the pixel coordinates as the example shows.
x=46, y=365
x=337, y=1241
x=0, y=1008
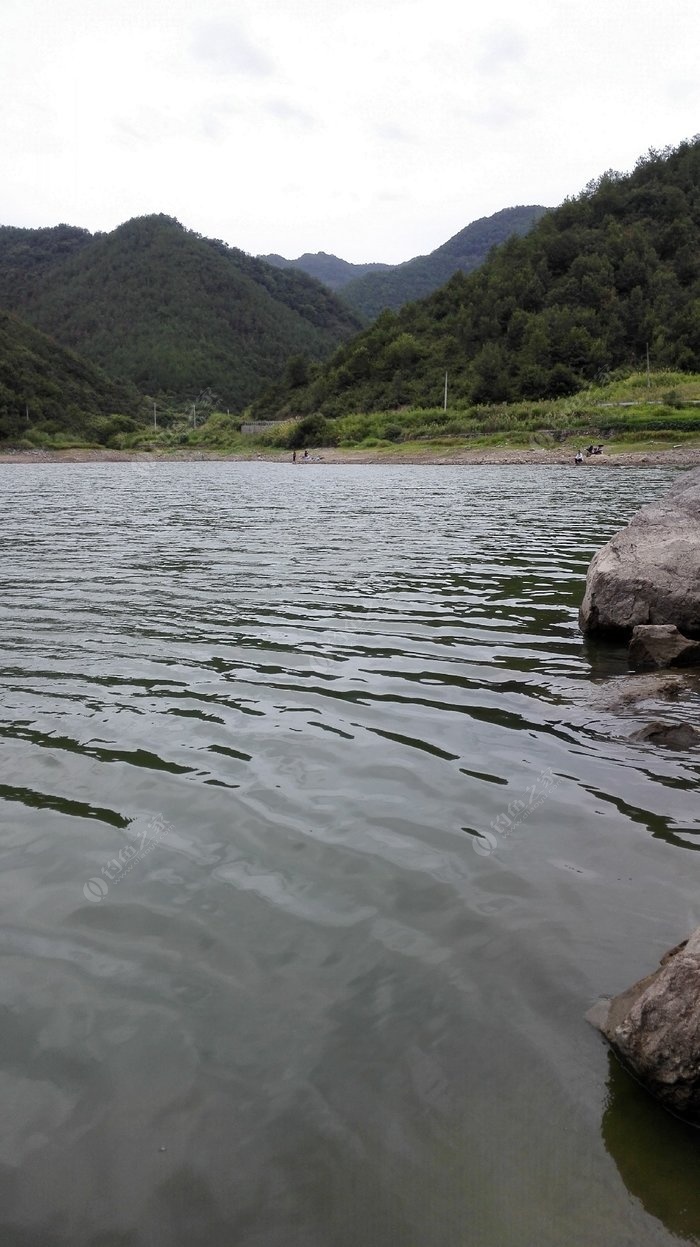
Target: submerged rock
x=625, y=692
x=654, y=1027
x=622, y=693
x=649, y=573
x=673, y=735
x=662, y=645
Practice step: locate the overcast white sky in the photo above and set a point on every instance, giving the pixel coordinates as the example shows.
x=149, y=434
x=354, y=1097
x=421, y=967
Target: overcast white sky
x=373, y=129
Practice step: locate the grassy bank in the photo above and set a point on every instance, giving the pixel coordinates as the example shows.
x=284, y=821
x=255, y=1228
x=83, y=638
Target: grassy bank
x=637, y=413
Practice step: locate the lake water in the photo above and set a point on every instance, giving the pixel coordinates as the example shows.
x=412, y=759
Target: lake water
x=319, y=837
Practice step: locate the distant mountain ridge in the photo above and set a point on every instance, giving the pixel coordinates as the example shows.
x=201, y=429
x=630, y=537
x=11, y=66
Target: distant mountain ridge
x=167, y=309
x=371, y=288
x=329, y=269
x=414, y=279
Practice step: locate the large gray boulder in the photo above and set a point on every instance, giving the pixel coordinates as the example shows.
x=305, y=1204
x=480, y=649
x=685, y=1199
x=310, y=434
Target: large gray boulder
x=649, y=573
x=654, y=1027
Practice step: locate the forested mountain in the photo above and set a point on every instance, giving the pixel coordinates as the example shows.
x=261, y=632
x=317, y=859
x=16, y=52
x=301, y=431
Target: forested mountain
x=42, y=384
x=167, y=309
x=595, y=281
x=371, y=294
x=329, y=269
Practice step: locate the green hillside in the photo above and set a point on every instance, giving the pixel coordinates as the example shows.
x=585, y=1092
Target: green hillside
x=404, y=283
x=170, y=311
x=28, y=257
x=47, y=390
x=329, y=269
x=595, y=282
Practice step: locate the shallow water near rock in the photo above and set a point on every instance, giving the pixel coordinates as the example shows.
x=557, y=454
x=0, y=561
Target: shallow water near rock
x=319, y=837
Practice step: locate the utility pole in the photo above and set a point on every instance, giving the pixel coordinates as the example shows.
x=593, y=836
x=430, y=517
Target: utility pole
x=194, y=415
x=26, y=411
x=444, y=405
x=648, y=372
x=155, y=421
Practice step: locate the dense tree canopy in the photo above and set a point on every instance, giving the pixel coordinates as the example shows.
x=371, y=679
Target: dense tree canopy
x=45, y=386
x=596, y=282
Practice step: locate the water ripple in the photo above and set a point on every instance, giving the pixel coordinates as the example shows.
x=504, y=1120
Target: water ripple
x=315, y=836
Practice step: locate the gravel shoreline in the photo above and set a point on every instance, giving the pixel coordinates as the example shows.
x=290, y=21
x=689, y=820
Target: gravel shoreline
x=672, y=457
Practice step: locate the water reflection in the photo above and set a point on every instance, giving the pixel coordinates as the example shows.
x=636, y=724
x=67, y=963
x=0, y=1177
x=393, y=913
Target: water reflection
x=657, y=1156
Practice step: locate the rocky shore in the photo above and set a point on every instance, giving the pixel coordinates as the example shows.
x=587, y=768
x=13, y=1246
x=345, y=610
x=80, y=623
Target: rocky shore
x=644, y=586
x=658, y=457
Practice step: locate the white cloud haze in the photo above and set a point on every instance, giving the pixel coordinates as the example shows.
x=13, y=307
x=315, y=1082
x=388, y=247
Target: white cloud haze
x=374, y=129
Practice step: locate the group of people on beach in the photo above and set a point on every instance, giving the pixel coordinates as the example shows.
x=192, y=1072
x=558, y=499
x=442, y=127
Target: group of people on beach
x=590, y=450
x=304, y=458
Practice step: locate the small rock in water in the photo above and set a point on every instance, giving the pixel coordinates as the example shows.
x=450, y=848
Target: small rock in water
x=620, y=693
x=674, y=735
x=661, y=645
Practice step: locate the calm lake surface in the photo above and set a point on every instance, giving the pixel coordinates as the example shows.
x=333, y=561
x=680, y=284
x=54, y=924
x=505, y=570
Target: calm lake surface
x=319, y=837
